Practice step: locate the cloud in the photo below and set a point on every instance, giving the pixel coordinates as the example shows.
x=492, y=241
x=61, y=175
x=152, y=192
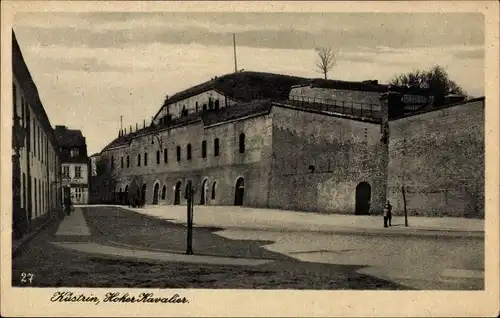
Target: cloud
x=477, y=53
x=264, y=30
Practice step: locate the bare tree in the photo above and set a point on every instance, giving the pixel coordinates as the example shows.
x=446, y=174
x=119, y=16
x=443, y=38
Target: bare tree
x=326, y=60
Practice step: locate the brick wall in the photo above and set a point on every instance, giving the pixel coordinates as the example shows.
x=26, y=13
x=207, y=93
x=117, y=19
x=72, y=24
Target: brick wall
x=344, y=153
x=439, y=157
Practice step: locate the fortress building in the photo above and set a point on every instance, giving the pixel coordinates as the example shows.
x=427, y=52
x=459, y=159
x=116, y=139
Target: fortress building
x=269, y=140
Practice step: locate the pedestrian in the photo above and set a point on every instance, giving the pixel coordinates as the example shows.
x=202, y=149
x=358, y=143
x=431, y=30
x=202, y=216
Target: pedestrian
x=388, y=214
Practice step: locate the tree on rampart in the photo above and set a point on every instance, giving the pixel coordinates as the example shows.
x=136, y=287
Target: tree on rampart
x=435, y=79
x=326, y=60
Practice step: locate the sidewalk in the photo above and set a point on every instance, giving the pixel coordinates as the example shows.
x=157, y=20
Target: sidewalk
x=230, y=217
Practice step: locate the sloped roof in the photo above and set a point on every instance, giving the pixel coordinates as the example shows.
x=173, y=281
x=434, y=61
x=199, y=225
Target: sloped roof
x=21, y=72
x=69, y=137
x=237, y=111
x=244, y=86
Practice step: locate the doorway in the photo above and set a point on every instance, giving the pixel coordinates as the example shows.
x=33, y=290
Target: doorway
x=203, y=199
x=239, y=191
x=156, y=191
x=177, y=194
x=363, y=195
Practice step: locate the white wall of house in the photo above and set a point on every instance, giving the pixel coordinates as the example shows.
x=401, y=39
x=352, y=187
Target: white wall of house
x=43, y=162
x=76, y=174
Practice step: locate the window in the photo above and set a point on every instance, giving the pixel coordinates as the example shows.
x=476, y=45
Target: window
x=210, y=103
x=74, y=153
x=216, y=147
x=122, y=162
x=112, y=162
x=178, y=153
x=157, y=157
x=165, y=155
x=139, y=160
x=204, y=107
x=184, y=111
x=78, y=172
x=128, y=161
x=34, y=138
x=204, y=149
x=66, y=171
x=145, y=158
x=188, y=152
x=242, y=143
x=217, y=104
x=78, y=193
x=36, y=205
x=213, y=191
x=164, y=192
x=22, y=112
x=196, y=106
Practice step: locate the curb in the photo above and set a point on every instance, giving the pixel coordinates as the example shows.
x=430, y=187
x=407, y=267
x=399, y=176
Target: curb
x=172, y=251
x=27, y=238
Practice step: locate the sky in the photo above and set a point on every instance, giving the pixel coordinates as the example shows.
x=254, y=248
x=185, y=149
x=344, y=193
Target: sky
x=91, y=68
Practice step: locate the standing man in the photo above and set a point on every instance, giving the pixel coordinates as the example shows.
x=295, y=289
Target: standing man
x=387, y=214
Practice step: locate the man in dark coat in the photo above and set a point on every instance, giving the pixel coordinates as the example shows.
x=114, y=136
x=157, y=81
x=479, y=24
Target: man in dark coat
x=387, y=214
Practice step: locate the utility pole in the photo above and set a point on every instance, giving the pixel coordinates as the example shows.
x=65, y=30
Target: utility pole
x=234, y=48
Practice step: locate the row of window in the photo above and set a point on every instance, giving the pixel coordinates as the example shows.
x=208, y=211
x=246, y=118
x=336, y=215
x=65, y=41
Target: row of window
x=78, y=172
x=126, y=161
x=40, y=144
x=40, y=195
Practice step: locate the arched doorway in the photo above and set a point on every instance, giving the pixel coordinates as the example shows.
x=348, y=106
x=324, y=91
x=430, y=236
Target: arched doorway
x=155, y=193
x=143, y=195
x=177, y=195
x=204, y=190
x=363, y=195
x=239, y=191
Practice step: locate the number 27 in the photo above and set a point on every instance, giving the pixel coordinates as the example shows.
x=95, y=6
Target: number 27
x=27, y=277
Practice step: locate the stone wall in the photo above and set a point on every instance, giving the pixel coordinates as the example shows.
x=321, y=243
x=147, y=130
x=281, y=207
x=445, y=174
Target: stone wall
x=439, y=157
x=343, y=153
x=253, y=165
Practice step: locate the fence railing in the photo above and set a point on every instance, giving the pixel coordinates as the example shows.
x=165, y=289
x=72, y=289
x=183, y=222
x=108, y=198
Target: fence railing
x=368, y=110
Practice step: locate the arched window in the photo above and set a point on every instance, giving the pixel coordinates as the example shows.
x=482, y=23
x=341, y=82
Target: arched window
x=188, y=152
x=122, y=162
x=196, y=106
x=216, y=147
x=128, y=162
x=157, y=157
x=242, y=143
x=217, y=104
x=213, y=191
x=165, y=155
x=178, y=153
x=210, y=103
x=139, y=160
x=204, y=107
x=112, y=162
x=164, y=192
x=145, y=158
x=204, y=149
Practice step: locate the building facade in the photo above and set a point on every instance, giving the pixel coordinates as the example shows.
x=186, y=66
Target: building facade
x=309, y=145
x=36, y=161
x=74, y=164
